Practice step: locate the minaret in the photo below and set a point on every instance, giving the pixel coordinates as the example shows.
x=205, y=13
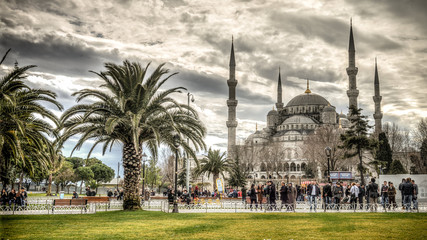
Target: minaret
x=279, y=104
x=352, y=92
x=377, y=100
x=231, y=103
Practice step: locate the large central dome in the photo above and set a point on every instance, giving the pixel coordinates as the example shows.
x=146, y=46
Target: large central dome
x=307, y=99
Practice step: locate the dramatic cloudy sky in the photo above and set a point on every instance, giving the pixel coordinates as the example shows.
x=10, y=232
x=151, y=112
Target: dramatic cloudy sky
x=307, y=39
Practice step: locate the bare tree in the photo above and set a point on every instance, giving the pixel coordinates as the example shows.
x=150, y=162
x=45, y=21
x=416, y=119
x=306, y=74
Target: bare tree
x=420, y=133
x=314, y=148
x=167, y=163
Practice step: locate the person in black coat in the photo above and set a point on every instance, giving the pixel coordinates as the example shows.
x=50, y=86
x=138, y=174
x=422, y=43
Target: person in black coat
x=272, y=195
x=373, y=194
x=12, y=196
x=4, y=197
x=408, y=191
x=252, y=196
x=283, y=193
x=327, y=194
x=362, y=194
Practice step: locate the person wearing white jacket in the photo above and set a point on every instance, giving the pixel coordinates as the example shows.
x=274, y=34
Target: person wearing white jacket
x=354, y=190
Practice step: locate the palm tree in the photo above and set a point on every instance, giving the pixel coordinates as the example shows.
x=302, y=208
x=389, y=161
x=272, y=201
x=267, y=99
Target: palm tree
x=130, y=109
x=216, y=164
x=23, y=134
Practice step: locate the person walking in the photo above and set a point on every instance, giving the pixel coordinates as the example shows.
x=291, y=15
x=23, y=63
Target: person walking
x=313, y=191
x=354, y=194
x=415, y=195
x=384, y=194
x=252, y=196
x=373, y=194
x=391, y=195
x=408, y=192
x=327, y=194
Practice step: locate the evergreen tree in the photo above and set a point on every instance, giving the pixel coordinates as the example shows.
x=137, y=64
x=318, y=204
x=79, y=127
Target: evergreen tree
x=356, y=140
x=237, y=175
x=384, y=154
x=396, y=167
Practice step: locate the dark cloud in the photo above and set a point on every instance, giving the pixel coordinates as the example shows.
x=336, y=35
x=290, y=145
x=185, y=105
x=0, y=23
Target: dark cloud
x=411, y=12
x=56, y=54
x=333, y=31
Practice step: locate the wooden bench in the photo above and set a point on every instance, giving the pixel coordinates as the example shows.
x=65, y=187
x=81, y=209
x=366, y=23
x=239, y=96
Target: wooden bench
x=97, y=199
x=75, y=202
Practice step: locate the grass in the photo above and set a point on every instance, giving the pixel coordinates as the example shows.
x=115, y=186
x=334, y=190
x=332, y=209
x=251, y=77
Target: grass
x=159, y=225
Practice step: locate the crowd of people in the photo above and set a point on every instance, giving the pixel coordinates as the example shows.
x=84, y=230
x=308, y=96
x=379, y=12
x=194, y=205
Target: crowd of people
x=13, y=197
x=332, y=195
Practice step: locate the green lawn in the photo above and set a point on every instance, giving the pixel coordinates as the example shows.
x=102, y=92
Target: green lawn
x=159, y=225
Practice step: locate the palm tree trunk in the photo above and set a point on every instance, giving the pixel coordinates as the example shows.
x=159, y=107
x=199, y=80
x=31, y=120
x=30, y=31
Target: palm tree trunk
x=21, y=179
x=132, y=174
x=215, y=177
x=49, y=186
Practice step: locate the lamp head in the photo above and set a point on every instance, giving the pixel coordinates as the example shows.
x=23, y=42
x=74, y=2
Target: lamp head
x=176, y=140
x=328, y=151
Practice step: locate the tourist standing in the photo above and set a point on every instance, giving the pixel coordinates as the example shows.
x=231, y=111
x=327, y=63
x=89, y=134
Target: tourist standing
x=244, y=190
x=408, y=192
x=373, y=194
x=401, y=192
x=260, y=193
x=252, y=196
x=283, y=193
x=291, y=197
x=4, y=197
x=354, y=193
x=337, y=190
x=327, y=194
x=313, y=191
x=415, y=195
x=362, y=194
x=391, y=195
x=384, y=194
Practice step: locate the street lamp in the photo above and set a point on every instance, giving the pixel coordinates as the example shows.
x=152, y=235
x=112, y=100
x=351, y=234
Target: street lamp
x=144, y=159
x=176, y=143
x=189, y=96
x=328, y=154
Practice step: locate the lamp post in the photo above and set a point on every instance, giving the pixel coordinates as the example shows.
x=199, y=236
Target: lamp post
x=144, y=159
x=328, y=155
x=118, y=175
x=176, y=140
x=189, y=96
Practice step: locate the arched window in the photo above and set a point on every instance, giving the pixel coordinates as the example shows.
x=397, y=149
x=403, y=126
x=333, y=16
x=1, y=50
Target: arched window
x=262, y=177
x=263, y=167
x=293, y=177
x=286, y=167
x=279, y=167
x=293, y=167
x=269, y=166
x=303, y=166
x=298, y=167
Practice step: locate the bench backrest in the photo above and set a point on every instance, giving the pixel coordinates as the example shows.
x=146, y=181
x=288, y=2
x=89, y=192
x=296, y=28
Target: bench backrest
x=62, y=202
x=97, y=199
x=78, y=201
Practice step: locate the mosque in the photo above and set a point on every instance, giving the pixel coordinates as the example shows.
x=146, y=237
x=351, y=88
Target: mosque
x=289, y=125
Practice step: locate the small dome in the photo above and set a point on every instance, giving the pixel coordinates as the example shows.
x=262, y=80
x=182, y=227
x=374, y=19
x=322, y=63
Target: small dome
x=342, y=115
x=298, y=119
x=307, y=99
x=272, y=112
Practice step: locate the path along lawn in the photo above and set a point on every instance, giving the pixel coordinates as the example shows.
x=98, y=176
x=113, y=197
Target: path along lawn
x=159, y=225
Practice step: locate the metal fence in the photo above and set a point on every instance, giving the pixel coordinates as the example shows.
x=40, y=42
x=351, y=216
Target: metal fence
x=45, y=206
